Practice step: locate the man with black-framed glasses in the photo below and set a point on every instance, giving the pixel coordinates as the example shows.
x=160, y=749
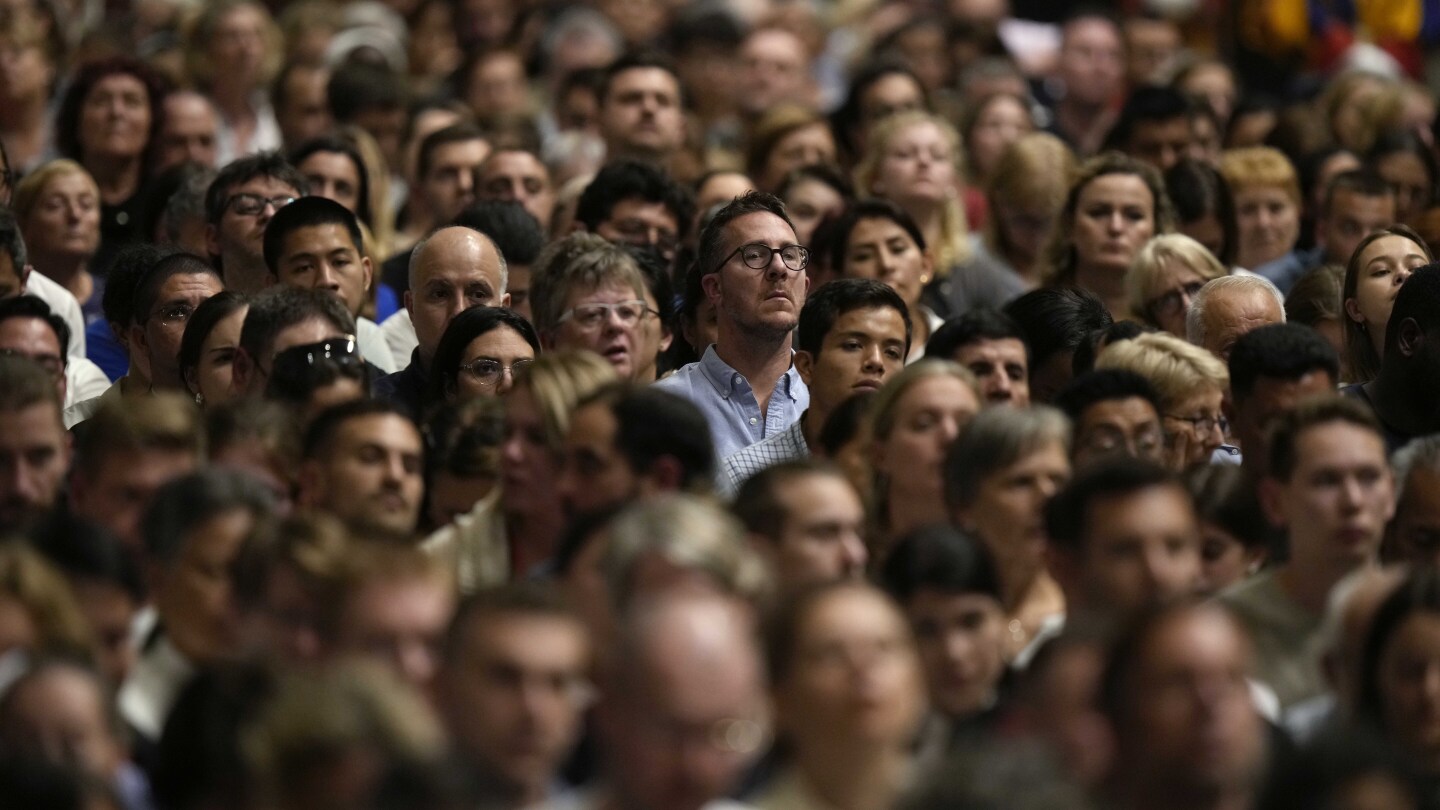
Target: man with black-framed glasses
x=754, y=273
x=238, y=207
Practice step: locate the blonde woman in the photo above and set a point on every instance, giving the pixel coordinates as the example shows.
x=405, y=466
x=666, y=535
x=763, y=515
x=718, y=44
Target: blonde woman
x=1266, y=189
x=1025, y=193
x=1164, y=278
x=1191, y=384
x=1115, y=205
x=58, y=210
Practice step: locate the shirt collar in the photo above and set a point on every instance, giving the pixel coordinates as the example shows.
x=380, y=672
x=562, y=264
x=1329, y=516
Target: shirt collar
x=726, y=379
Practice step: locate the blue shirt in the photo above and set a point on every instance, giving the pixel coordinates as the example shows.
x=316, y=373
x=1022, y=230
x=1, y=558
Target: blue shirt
x=105, y=351
x=729, y=404
x=1284, y=271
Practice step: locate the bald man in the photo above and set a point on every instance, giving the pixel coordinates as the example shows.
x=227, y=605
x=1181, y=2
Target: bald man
x=451, y=270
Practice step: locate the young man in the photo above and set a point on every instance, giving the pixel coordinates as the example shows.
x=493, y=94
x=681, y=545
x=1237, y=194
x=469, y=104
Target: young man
x=281, y=318
x=34, y=447
x=1356, y=204
x=361, y=462
x=805, y=516
x=1113, y=412
x=238, y=206
x=853, y=335
x=315, y=243
x=1271, y=370
x=992, y=346
x=631, y=202
x=640, y=110
x=754, y=273
x=1330, y=488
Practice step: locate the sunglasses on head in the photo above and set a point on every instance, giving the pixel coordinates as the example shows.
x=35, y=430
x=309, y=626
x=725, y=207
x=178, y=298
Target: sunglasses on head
x=296, y=361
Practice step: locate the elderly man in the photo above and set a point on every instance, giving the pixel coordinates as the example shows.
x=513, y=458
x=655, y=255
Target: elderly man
x=1228, y=307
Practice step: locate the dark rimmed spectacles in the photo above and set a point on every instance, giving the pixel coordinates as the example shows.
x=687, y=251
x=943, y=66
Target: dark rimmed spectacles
x=296, y=361
x=758, y=256
x=1204, y=424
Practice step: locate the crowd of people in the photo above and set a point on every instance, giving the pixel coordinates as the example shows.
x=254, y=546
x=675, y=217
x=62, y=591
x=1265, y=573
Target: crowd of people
x=646, y=405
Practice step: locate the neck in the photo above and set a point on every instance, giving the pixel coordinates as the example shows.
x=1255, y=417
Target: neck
x=812, y=421
x=849, y=779
x=760, y=358
x=1309, y=583
x=1107, y=284
x=911, y=510
x=1086, y=124
x=68, y=272
x=117, y=177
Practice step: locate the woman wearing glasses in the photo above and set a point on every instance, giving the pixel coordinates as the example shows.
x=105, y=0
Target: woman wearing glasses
x=1191, y=383
x=1164, y=278
x=480, y=354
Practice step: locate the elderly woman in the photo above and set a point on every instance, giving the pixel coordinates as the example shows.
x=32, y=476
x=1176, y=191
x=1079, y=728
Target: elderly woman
x=1002, y=470
x=58, y=210
x=1164, y=278
x=1380, y=264
x=1266, y=190
x=1115, y=205
x=1191, y=384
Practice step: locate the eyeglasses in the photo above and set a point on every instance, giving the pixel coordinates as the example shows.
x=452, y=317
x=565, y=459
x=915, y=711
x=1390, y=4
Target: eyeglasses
x=758, y=256
x=1204, y=424
x=487, y=372
x=53, y=364
x=1104, y=440
x=592, y=316
x=1172, y=302
x=175, y=314
x=251, y=205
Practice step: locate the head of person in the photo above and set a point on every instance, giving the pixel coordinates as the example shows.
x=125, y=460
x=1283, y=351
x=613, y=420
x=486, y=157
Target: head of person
x=878, y=90
x=233, y=44
x=784, y=139
x=239, y=204
x=1316, y=301
x=207, y=348
x=537, y=420
x=853, y=335
x=1413, y=537
x=1374, y=273
x=911, y=158
x=298, y=97
x=165, y=300
x=481, y=353
x=34, y=445
x=313, y=377
x=1234, y=535
x=1329, y=485
x=363, y=461
x=41, y=615
x=30, y=330
x=812, y=195
x=1166, y=276
x=281, y=318
x=754, y=272
x=61, y=710
x=591, y=294
x=110, y=112
x=1154, y=126
x=189, y=131
x=375, y=98
x=127, y=451
x=181, y=221
x=391, y=604
x=641, y=113
x=517, y=236
x=1026, y=192
x=58, y=208
x=335, y=170
x=282, y=576
x=1115, y=205
x=636, y=203
x=628, y=443
x=194, y=530
x=14, y=259
x=1271, y=370
x=876, y=239
x=826, y=648
x=315, y=243
x=992, y=345
x=1112, y=412
x=1200, y=742
x=1204, y=208
x=1356, y=204
x=445, y=169
x=1092, y=58
x=913, y=420
x=807, y=519
x=1191, y=385
x=1403, y=161
x=462, y=446
x=1394, y=694
x=1225, y=309
x=950, y=591
x=259, y=437
x=1266, y=189
x=513, y=686
x=990, y=127
x=1055, y=321
x=1124, y=537
x=686, y=662
x=519, y=175
x=451, y=270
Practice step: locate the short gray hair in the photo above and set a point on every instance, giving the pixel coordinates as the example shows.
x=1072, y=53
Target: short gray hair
x=1195, y=318
x=995, y=439
x=425, y=240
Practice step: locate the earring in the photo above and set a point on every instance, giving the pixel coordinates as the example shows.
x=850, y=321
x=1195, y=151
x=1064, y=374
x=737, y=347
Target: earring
x=199, y=399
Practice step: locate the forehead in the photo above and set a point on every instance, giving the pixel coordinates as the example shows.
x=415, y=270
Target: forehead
x=811, y=492
x=117, y=83
x=1152, y=509
x=265, y=186
x=182, y=283
x=310, y=330
x=388, y=429
x=648, y=211
x=514, y=161
x=458, y=256
x=653, y=79
x=24, y=332
x=877, y=229
x=1009, y=349
x=610, y=290
x=317, y=239
x=69, y=182
x=323, y=161
x=1338, y=442
x=1129, y=410
x=465, y=152
x=1127, y=187
x=761, y=226
x=882, y=322
x=593, y=423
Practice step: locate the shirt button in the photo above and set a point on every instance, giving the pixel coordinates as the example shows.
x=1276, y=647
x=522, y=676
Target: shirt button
x=753, y=420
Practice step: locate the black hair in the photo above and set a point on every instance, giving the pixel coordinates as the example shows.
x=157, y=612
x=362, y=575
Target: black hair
x=637, y=60
x=459, y=334
x=331, y=144
x=1099, y=340
x=1226, y=496
x=12, y=241
x=820, y=173
x=1198, y=190
x=1416, y=300
x=702, y=25
x=237, y=172
x=176, y=264
x=202, y=321
x=1144, y=106
x=712, y=238
x=155, y=200
x=1363, y=181
x=86, y=77
x=627, y=179
x=846, y=117
x=941, y=558
x=86, y=551
x=841, y=296
x=1419, y=593
x=758, y=504
x=280, y=307
x=455, y=133
x=514, y=231
x=28, y=306
x=308, y=212
x=130, y=266
x=1057, y=319
x=1398, y=140
x=1284, y=351
x=186, y=503
x=860, y=210
x=982, y=323
x=1105, y=385
x=358, y=87
x=1067, y=514
x=294, y=380
x=651, y=424
x=328, y=423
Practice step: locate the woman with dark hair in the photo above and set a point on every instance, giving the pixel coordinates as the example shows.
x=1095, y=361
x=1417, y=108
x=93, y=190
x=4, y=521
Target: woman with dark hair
x=1204, y=209
x=1397, y=681
x=207, y=350
x=812, y=193
x=876, y=239
x=107, y=123
x=877, y=91
x=336, y=170
x=1408, y=165
x=480, y=354
x=1380, y=264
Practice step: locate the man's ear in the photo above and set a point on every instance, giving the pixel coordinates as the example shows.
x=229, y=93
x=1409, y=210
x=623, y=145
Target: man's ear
x=242, y=370
x=408, y=301
x=1410, y=337
x=710, y=283
x=25, y=277
x=212, y=239
x=1272, y=500
x=805, y=366
x=505, y=301
x=369, y=272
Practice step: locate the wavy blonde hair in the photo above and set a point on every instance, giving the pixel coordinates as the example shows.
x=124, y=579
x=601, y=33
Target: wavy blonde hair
x=1141, y=282
x=953, y=246
x=1177, y=370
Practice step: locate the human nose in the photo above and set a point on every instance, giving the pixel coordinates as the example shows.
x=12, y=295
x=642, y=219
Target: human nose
x=853, y=554
x=1401, y=275
x=511, y=450
x=415, y=661
x=874, y=358
x=326, y=278
x=1116, y=223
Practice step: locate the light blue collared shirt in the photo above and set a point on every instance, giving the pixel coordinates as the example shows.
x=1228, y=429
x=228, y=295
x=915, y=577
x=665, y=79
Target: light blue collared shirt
x=729, y=404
